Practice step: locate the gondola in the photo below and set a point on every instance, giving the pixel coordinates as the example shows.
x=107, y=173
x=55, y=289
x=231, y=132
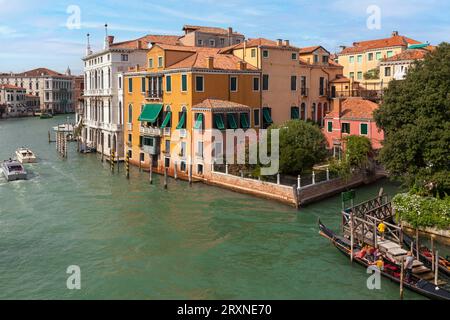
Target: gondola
x=391, y=270
x=425, y=256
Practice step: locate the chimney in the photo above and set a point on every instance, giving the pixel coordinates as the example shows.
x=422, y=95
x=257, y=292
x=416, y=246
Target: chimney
x=137, y=67
x=337, y=105
x=110, y=40
x=241, y=65
x=395, y=33
x=210, y=62
x=230, y=31
x=139, y=45
x=279, y=42
x=286, y=43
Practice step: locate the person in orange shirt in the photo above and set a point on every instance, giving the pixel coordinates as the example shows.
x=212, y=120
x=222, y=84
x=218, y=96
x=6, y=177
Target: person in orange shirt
x=381, y=229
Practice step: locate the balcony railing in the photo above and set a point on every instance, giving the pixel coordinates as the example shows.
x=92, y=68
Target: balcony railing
x=129, y=126
x=150, y=131
x=304, y=92
x=154, y=95
x=166, y=132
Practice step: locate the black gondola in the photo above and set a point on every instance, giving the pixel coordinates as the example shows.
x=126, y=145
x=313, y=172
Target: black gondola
x=425, y=256
x=392, y=271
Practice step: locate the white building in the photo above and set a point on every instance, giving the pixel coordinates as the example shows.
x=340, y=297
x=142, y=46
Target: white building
x=54, y=89
x=102, y=117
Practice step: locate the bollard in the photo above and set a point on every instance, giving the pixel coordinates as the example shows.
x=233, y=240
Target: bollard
x=278, y=178
x=242, y=174
x=127, y=165
x=328, y=174
x=175, y=174
x=226, y=168
x=313, y=177
x=299, y=184
x=165, y=177
x=190, y=173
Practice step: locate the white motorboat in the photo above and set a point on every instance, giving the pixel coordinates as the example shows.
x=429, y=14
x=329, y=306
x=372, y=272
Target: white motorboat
x=25, y=155
x=13, y=170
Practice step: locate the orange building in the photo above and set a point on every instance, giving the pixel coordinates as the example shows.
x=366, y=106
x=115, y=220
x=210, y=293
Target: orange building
x=180, y=93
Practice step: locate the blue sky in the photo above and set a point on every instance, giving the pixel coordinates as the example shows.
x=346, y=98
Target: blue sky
x=34, y=33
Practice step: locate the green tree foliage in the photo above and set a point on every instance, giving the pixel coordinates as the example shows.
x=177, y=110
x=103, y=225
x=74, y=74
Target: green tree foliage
x=373, y=74
x=415, y=117
x=358, y=150
x=302, y=145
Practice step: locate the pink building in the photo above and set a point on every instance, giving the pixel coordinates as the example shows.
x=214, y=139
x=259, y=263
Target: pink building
x=351, y=116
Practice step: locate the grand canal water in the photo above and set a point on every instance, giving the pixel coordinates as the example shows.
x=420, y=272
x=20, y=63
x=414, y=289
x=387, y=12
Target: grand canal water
x=133, y=240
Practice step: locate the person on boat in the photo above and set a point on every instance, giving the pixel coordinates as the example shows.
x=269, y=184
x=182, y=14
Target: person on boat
x=381, y=229
x=409, y=260
x=362, y=253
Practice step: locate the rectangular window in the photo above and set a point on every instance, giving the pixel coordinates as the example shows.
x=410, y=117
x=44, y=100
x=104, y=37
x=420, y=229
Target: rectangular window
x=168, y=83
x=360, y=75
x=352, y=75
x=222, y=41
x=294, y=56
x=359, y=58
x=167, y=146
x=253, y=53
x=160, y=62
x=199, y=84
x=143, y=84
x=130, y=85
x=345, y=128
x=370, y=56
x=256, y=116
x=265, y=86
x=233, y=84
x=130, y=138
x=120, y=82
x=325, y=59
x=150, y=63
x=124, y=57
x=387, y=71
x=200, y=42
x=200, y=149
x=142, y=157
x=295, y=114
x=316, y=58
x=293, y=83
x=212, y=43
x=351, y=59
x=364, y=128
x=330, y=126
x=184, y=82
x=390, y=54
x=322, y=86
x=378, y=56
x=255, y=84
x=265, y=53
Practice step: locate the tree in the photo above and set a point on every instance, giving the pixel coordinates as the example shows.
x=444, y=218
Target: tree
x=373, y=74
x=358, y=152
x=302, y=145
x=415, y=117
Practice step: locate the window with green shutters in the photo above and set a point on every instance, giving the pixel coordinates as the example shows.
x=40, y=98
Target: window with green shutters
x=364, y=128
x=378, y=55
x=390, y=54
x=199, y=84
x=359, y=58
x=184, y=82
x=143, y=84
x=130, y=85
x=168, y=83
x=330, y=126
x=295, y=114
x=265, y=85
x=345, y=128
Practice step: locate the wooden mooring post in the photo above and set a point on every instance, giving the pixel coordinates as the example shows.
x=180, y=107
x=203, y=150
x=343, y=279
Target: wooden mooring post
x=417, y=243
x=432, y=254
x=165, y=177
x=151, y=169
x=127, y=165
x=111, y=160
x=402, y=271
x=352, y=236
x=436, y=269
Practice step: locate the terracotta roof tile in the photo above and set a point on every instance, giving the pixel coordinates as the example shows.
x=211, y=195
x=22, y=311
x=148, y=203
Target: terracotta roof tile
x=39, y=72
x=145, y=41
x=414, y=54
x=10, y=86
x=355, y=108
x=219, y=104
x=262, y=42
x=306, y=50
x=394, y=41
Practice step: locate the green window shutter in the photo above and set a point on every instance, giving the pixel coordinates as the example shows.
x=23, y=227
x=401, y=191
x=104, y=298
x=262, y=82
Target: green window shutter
x=232, y=121
x=330, y=126
x=244, y=121
x=143, y=84
x=199, y=122
x=294, y=113
x=182, y=121
x=218, y=120
x=130, y=84
x=266, y=115
x=183, y=82
x=166, y=121
x=168, y=83
x=364, y=128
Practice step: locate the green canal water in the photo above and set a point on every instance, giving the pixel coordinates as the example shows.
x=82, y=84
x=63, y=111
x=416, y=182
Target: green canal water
x=133, y=240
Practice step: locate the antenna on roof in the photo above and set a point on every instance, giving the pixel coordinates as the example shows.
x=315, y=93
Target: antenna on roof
x=88, y=48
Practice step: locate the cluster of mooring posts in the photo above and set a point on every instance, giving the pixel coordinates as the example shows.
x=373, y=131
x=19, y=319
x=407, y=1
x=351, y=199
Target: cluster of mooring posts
x=360, y=224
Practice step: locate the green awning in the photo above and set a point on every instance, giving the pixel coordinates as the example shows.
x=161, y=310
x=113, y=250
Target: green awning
x=418, y=46
x=218, y=120
x=150, y=112
x=182, y=121
x=166, y=119
x=295, y=114
x=232, y=121
x=199, y=122
x=267, y=117
x=244, y=121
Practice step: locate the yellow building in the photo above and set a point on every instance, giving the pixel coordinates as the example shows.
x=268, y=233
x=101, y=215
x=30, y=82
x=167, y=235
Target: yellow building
x=171, y=101
x=362, y=60
x=295, y=81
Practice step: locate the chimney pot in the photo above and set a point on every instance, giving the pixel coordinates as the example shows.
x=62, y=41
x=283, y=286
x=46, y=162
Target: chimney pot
x=230, y=31
x=286, y=43
x=279, y=42
x=395, y=33
x=210, y=62
x=110, y=40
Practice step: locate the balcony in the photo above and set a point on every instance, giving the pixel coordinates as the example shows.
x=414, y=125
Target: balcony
x=166, y=132
x=154, y=95
x=304, y=92
x=150, y=131
x=183, y=133
x=129, y=126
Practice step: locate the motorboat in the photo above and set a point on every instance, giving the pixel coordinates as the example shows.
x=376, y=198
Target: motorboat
x=46, y=115
x=13, y=170
x=25, y=155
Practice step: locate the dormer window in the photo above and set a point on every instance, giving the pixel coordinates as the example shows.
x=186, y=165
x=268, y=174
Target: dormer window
x=200, y=42
x=212, y=43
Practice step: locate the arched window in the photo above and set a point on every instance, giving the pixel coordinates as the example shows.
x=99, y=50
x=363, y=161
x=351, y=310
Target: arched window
x=313, y=112
x=109, y=78
x=303, y=111
x=130, y=113
x=120, y=112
